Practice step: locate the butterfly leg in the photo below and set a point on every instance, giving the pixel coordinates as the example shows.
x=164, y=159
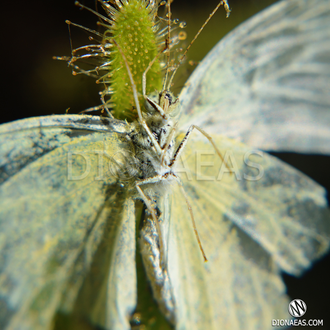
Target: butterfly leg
x=185, y=141
x=168, y=143
x=156, y=179
x=191, y=216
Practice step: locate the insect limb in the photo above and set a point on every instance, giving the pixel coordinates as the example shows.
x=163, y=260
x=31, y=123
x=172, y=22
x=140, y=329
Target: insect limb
x=168, y=141
x=226, y=6
x=137, y=104
x=156, y=107
x=185, y=140
x=144, y=75
x=167, y=42
x=192, y=217
x=144, y=86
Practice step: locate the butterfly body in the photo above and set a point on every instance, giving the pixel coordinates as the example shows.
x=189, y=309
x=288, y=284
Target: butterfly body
x=145, y=152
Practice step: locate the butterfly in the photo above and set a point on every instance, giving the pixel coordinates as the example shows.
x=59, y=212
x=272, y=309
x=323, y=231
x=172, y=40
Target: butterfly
x=230, y=211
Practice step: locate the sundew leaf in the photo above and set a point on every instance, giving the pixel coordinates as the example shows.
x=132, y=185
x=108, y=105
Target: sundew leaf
x=134, y=27
x=131, y=29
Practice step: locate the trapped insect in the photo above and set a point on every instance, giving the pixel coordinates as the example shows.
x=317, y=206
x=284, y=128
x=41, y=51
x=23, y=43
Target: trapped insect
x=94, y=224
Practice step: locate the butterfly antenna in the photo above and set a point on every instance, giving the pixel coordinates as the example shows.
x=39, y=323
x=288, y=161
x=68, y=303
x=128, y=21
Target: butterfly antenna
x=167, y=42
x=144, y=76
x=227, y=9
x=155, y=143
x=192, y=217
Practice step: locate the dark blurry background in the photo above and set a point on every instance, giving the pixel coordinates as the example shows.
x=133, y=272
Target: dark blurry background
x=34, y=84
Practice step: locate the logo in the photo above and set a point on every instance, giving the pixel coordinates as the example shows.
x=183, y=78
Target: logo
x=297, y=308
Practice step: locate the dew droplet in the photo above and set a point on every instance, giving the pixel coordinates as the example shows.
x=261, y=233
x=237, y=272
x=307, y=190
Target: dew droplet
x=182, y=35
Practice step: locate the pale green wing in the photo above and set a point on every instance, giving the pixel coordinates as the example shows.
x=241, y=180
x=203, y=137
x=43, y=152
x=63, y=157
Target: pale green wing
x=263, y=218
x=267, y=83
x=60, y=199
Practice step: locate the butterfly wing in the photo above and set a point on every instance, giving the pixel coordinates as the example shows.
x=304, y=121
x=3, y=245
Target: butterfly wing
x=264, y=218
x=59, y=201
x=267, y=83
